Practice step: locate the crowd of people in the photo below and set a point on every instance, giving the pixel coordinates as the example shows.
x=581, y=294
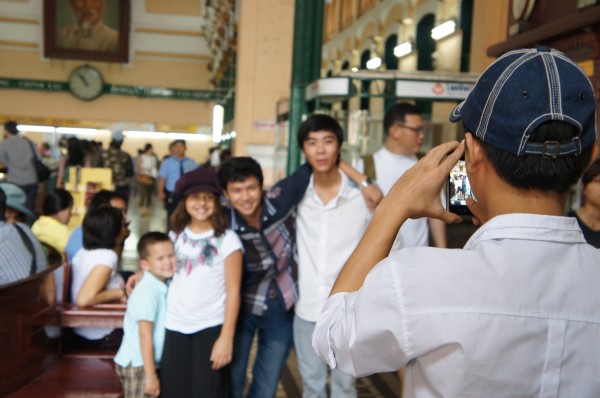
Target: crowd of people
x=320, y=262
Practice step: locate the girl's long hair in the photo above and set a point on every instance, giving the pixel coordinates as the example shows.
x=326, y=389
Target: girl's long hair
x=180, y=218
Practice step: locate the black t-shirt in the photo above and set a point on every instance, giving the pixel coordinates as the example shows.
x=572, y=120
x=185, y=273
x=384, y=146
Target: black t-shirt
x=592, y=237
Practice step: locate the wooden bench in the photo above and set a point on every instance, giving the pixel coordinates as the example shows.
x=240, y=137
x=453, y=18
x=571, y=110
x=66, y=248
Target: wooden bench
x=106, y=315
x=26, y=350
x=31, y=362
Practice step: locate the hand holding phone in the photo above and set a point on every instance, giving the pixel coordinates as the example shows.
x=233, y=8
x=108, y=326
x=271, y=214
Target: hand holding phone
x=459, y=189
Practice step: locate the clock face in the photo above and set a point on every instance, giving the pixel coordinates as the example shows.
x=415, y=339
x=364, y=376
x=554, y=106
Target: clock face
x=85, y=82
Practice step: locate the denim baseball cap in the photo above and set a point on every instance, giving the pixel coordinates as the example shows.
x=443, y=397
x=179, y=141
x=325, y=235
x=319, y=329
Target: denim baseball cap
x=521, y=90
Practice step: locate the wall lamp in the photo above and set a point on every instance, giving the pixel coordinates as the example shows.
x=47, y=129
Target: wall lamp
x=374, y=63
x=403, y=49
x=443, y=29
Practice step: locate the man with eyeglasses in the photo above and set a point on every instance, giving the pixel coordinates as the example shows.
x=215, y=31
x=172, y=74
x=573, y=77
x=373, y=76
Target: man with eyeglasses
x=405, y=132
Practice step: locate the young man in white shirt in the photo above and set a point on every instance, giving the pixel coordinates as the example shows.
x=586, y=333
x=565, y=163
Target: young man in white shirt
x=515, y=313
x=404, y=135
x=332, y=218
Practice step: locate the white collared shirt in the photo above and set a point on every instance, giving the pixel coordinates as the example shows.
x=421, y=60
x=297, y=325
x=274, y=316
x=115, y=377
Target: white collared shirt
x=514, y=314
x=326, y=236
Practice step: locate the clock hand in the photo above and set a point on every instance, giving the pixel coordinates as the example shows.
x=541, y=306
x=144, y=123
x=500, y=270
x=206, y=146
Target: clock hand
x=83, y=79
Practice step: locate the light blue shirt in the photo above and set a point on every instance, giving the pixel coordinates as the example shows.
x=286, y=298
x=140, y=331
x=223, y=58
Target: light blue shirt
x=75, y=243
x=148, y=302
x=170, y=171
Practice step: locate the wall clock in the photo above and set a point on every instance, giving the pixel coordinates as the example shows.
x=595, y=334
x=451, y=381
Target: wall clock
x=85, y=82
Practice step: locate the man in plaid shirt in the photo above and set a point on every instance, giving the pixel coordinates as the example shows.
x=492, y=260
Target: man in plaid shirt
x=266, y=226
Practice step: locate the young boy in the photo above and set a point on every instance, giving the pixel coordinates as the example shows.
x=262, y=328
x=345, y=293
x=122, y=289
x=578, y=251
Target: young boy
x=141, y=350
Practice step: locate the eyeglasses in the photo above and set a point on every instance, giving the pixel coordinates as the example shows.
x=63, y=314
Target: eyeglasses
x=416, y=130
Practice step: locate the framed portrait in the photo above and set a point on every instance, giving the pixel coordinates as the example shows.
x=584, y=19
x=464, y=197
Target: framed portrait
x=94, y=30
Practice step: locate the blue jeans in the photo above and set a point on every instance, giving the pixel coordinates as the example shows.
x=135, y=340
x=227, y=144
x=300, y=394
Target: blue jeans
x=313, y=369
x=274, y=343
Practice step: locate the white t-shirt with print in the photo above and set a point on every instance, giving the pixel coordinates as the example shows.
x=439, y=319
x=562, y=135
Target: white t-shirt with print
x=196, y=298
x=83, y=263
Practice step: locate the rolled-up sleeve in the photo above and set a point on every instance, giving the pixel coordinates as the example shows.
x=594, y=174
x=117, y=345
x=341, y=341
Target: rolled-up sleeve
x=364, y=332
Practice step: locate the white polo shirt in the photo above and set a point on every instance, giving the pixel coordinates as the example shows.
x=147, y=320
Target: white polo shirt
x=514, y=314
x=326, y=237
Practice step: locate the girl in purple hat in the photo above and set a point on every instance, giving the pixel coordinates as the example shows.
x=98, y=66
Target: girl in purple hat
x=204, y=295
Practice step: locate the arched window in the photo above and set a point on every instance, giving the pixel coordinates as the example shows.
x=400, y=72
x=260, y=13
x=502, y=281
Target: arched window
x=391, y=63
x=425, y=49
x=366, y=85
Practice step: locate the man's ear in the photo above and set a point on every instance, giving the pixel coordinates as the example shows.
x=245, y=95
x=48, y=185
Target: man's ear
x=474, y=155
x=224, y=193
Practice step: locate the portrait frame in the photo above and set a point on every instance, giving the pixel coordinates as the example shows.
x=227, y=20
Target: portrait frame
x=58, y=16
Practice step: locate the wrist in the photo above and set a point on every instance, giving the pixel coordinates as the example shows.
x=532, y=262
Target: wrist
x=366, y=182
x=150, y=376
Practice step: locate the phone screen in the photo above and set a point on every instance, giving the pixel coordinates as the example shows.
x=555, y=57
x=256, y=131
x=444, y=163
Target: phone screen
x=459, y=190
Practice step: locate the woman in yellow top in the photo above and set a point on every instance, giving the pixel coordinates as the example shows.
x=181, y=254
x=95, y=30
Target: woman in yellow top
x=51, y=228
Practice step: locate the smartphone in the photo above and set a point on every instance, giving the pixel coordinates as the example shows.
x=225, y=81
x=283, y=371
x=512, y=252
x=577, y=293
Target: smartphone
x=458, y=190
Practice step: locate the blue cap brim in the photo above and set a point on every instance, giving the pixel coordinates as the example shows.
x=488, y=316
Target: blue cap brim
x=455, y=115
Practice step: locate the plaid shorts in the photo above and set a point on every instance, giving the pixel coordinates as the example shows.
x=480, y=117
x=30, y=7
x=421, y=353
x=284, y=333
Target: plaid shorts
x=132, y=379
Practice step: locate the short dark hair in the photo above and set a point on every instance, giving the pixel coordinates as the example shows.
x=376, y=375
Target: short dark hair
x=592, y=172
x=55, y=201
x=319, y=122
x=11, y=127
x=178, y=142
x=397, y=114
x=238, y=169
x=102, y=227
x=149, y=239
x=181, y=218
x=535, y=172
x=104, y=197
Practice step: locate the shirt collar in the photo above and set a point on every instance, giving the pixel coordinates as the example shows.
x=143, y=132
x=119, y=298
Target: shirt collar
x=345, y=189
x=237, y=222
x=528, y=227
x=157, y=283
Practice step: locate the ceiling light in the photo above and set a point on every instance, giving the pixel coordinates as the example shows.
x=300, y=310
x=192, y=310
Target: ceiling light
x=76, y=131
x=145, y=134
x=403, y=49
x=374, y=63
x=443, y=30
x=36, y=129
x=161, y=135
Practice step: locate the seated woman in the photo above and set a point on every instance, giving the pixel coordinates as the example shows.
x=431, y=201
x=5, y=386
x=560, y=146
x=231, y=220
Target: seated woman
x=95, y=278
x=588, y=216
x=51, y=228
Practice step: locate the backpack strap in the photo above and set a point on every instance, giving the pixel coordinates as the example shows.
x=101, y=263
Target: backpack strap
x=369, y=167
x=27, y=242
